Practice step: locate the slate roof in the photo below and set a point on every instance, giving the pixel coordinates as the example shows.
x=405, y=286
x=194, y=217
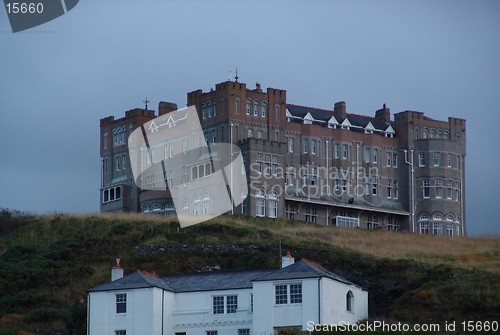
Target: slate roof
x=198, y=282
x=303, y=269
x=325, y=115
x=134, y=280
x=213, y=281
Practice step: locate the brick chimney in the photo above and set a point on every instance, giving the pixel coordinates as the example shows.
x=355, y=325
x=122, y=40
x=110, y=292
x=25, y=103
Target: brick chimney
x=257, y=87
x=287, y=259
x=166, y=107
x=383, y=114
x=116, y=271
x=340, y=109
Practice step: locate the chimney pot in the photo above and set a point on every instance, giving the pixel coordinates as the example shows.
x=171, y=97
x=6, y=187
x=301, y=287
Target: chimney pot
x=116, y=271
x=287, y=260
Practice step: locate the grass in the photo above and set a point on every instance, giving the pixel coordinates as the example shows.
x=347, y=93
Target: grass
x=48, y=262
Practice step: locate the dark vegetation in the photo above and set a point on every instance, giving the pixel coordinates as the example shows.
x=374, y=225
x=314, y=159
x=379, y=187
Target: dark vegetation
x=48, y=263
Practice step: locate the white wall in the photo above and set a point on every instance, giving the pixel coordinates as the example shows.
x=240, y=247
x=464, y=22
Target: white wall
x=193, y=313
x=333, y=302
x=143, y=314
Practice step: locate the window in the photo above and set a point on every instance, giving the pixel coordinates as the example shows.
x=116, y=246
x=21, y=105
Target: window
x=184, y=146
x=196, y=204
x=439, y=188
x=372, y=222
x=337, y=150
x=170, y=176
x=236, y=105
x=245, y=331
x=437, y=228
x=273, y=205
x=367, y=155
x=449, y=229
x=290, y=211
x=231, y=304
x=426, y=188
x=248, y=107
x=290, y=144
x=311, y=214
x=375, y=185
x=437, y=159
x=259, y=134
x=124, y=162
x=120, y=332
x=121, y=303
x=389, y=188
x=281, y=294
x=349, y=302
x=118, y=163
x=295, y=293
x=277, y=112
x=105, y=141
x=389, y=159
x=256, y=108
x=421, y=159
x=250, y=133
x=314, y=147
x=106, y=165
x=346, y=151
x=395, y=160
x=263, y=110
x=212, y=332
x=348, y=222
x=306, y=146
x=375, y=156
x=260, y=203
x=395, y=194
x=282, y=291
x=424, y=227
x=218, y=305
x=450, y=160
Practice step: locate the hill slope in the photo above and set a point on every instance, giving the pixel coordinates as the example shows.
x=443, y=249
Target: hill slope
x=48, y=263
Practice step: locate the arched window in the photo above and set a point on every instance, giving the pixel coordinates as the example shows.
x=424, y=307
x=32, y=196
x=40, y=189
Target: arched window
x=248, y=107
x=169, y=207
x=349, y=298
x=433, y=133
x=256, y=107
x=440, y=133
x=446, y=134
x=156, y=207
x=214, y=108
x=185, y=208
x=260, y=202
x=416, y=133
x=272, y=202
x=423, y=221
x=424, y=217
x=437, y=217
x=450, y=217
x=145, y=208
x=426, y=133
x=263, y=110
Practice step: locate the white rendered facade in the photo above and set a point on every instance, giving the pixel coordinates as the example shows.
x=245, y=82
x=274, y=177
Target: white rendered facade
x=238, y=303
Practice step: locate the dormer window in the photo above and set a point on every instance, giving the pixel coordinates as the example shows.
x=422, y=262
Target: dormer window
x=346, y=124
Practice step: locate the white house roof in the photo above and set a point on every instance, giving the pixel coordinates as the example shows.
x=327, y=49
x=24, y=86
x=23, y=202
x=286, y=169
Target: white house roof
x=214, y=281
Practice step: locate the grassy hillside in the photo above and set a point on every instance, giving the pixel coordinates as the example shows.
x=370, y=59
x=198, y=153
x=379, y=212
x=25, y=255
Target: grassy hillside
x=48, y=262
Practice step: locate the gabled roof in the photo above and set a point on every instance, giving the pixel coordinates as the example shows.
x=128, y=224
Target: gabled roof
x=303, y=269
x=216, y=281
x=134, y=280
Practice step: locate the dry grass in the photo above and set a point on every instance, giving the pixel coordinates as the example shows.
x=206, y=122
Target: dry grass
x=482, y=253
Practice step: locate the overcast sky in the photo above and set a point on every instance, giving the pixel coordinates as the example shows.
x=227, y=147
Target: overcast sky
x=103, y=57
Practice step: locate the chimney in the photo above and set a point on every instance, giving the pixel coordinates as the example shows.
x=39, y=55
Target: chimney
x=257, y=87
x=166, y=107
x=287, y=260
x=116, y=271
x=340, y=109
x=383, y=114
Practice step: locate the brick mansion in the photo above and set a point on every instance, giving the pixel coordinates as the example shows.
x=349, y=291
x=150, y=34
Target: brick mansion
x=403, y=172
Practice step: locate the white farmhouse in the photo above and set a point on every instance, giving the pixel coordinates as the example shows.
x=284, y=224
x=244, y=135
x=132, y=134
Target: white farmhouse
x=231, y=303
